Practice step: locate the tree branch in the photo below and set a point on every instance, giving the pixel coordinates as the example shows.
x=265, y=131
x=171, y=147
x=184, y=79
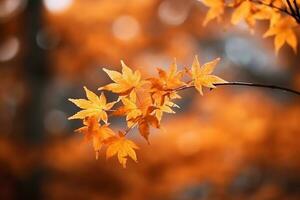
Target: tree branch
x=271, y=6
x=260, y=85
x=297, y=8
x=295, y=13
x=248, y=85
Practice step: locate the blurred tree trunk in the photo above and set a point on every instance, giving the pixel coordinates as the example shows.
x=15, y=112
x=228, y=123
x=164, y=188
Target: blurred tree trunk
x=36, y=76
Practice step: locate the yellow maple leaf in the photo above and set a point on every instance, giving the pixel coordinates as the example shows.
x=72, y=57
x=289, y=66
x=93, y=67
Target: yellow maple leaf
x=123, y=148
x=124, y=82
x=166, y=107
x=243, y=11
x=284, y=33
x=202, y=75
x=216, y=9
x=131, y=109
x=92, y=106
x=267, y=13
x=95, y=133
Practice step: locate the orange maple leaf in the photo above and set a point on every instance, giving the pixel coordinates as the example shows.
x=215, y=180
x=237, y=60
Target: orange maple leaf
x=147, y=120
x=168, y=80
x=95, y=133
x=284, y=33
x=139, y=112
x=267, y=13
x=243, y=11
x=123, y=148
x=165, y=86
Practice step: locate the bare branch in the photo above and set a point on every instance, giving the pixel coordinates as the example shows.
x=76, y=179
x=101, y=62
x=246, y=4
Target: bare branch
x=249, y=85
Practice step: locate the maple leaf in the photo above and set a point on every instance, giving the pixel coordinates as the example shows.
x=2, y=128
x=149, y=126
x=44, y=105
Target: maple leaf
x=216, y=9
x=95, y=133
x=171, y=79
x=267, y=13
x=166, y=107
x=144, y=123
x=284, y=33
x=124, y=82
x=243, y=11
x=139, y=112
x=131, y=109
x=123, y=148
x=160, y=97
x=165, y=85
x=93, y=106
x=202, y=75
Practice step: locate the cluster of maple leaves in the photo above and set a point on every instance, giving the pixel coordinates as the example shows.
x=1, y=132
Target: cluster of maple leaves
x=279, y=13
x=141, y=102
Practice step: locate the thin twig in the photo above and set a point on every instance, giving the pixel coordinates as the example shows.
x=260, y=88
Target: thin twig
x=271, y=6
x=128, y=129
x=249, y=85
x=297, y=8
x=293, y=13
x=260, y=85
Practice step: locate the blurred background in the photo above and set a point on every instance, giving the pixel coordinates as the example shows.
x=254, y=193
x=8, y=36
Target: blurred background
x=233, y=143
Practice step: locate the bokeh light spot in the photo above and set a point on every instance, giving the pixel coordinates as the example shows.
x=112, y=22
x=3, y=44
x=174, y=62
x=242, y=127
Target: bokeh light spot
x=46, y=40
x=187, y=143
x=9, y=49
x=125, y=28
x=250, y=54
x=171, y=14
x=57, y=6
x=10, y=7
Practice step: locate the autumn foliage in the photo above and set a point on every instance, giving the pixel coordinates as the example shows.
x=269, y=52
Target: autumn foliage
x=141, y=102
x=282, y=15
